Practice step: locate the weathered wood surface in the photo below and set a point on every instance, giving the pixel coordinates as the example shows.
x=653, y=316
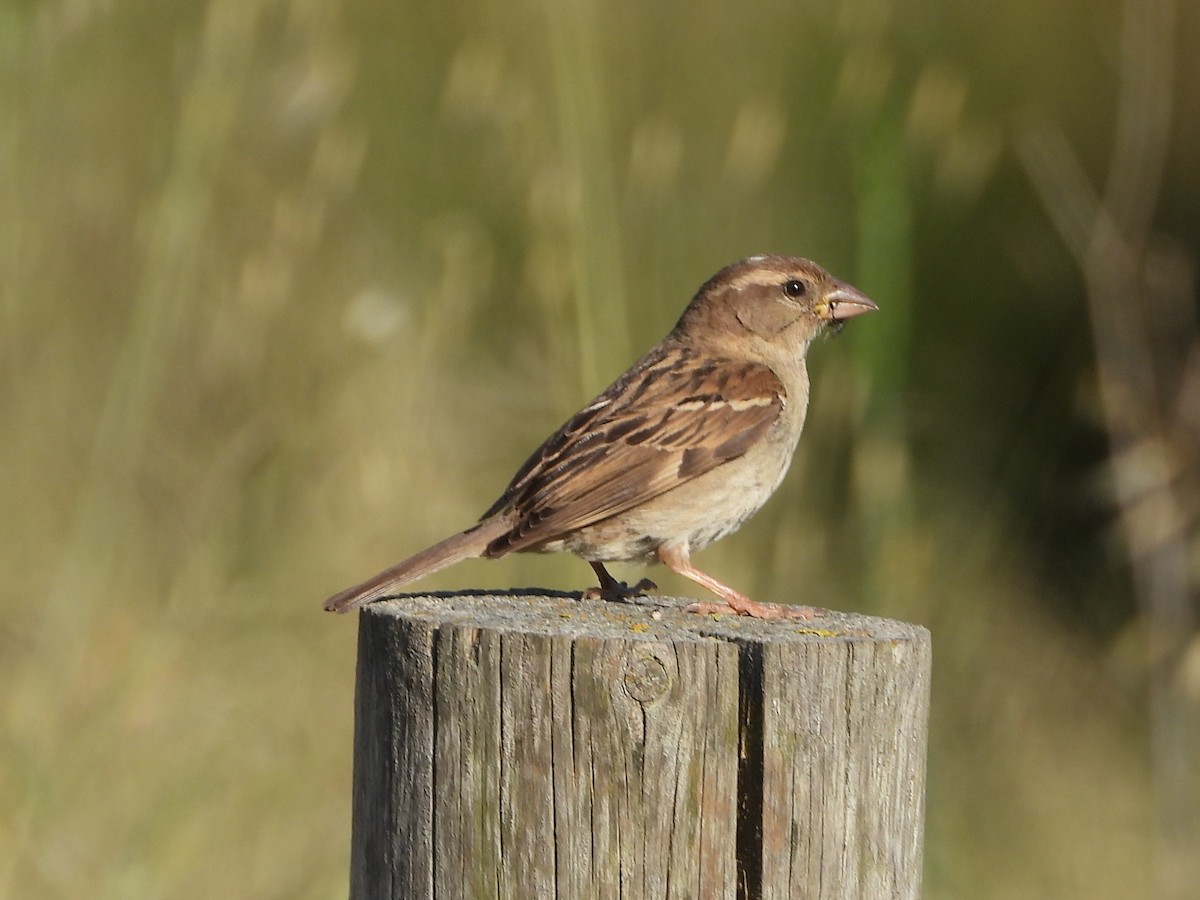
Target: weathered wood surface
x=542, y=746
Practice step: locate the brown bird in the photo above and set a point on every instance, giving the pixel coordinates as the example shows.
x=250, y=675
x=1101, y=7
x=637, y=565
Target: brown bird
x=678, y=452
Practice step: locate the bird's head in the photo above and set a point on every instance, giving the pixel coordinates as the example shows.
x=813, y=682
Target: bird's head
x=773, y=305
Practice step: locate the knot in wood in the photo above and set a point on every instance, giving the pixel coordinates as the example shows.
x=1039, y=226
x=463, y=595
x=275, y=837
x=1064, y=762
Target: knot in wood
x=646, y=678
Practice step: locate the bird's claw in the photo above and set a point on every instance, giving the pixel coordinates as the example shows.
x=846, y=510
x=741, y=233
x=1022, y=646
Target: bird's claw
x=619, y=591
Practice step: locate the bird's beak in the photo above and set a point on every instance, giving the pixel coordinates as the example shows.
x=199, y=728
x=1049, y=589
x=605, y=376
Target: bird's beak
x=845, y=302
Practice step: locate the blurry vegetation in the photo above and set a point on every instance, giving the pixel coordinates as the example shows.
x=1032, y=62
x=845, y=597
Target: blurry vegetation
x=288, y=289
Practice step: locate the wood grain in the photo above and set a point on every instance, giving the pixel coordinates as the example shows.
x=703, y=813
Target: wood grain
x=517, y=746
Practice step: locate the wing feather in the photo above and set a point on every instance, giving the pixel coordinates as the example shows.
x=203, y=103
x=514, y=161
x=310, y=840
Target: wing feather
x=638, y=440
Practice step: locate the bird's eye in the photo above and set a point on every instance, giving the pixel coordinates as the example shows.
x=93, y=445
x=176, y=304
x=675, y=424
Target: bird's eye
x=795, y=288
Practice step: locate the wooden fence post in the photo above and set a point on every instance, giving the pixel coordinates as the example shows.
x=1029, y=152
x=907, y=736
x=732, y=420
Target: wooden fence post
x=542, y=746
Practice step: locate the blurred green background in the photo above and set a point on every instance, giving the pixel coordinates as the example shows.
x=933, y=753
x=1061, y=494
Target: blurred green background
x=289, y=289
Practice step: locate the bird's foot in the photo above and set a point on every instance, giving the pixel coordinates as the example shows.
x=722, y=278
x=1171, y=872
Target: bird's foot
x=741, y=605
x=618, y=591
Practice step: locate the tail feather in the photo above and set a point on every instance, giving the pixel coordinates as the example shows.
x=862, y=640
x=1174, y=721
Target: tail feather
x=465, y=545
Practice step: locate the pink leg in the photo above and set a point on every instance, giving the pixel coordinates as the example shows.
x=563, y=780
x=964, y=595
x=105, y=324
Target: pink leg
x=676, y=558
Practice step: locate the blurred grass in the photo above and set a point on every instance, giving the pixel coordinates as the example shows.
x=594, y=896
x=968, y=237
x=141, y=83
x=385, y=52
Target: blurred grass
x=289, y=289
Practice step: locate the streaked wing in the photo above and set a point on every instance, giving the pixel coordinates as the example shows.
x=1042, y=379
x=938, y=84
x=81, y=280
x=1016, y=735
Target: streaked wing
x=674, y=416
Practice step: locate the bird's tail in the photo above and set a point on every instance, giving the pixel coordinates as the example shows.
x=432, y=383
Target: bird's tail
x=465, y=545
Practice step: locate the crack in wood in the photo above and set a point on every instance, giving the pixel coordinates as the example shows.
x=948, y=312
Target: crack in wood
x=750, y=771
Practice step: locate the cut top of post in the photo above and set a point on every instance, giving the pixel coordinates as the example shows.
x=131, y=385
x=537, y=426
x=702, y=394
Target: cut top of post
x=652, y=618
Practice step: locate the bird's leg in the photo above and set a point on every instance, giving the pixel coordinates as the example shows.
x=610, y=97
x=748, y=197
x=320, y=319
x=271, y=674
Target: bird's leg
x=611, y=589
x=676, y=558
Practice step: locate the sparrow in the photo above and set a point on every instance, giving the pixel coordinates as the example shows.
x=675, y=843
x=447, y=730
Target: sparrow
x=677, y=453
